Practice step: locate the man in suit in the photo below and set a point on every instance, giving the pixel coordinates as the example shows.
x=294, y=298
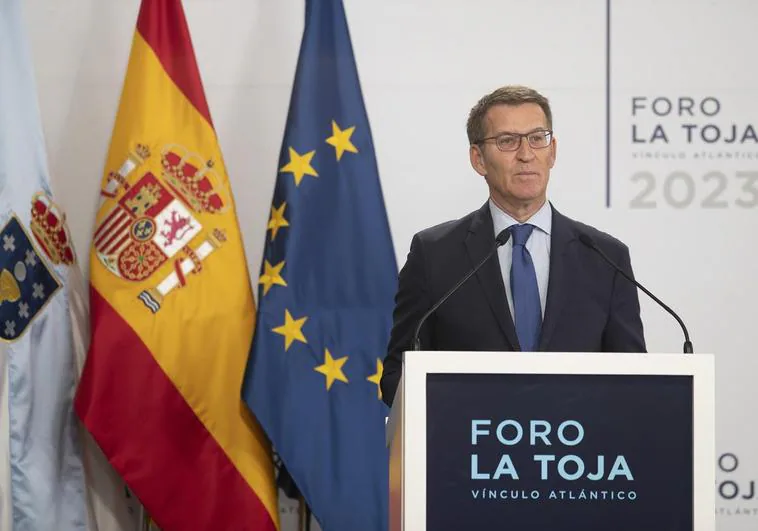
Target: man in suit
x=544, y=290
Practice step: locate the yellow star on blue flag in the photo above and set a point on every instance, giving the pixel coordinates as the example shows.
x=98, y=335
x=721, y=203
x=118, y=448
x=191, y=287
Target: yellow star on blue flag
x=340, y=140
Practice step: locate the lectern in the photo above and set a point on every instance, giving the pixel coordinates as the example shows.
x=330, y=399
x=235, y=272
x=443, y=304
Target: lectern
x=553, y=441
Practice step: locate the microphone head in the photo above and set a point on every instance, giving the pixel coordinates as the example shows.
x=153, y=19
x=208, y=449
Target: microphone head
x=586, y=240
x=502, y=238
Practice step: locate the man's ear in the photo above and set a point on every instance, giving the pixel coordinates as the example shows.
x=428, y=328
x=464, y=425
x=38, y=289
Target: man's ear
x=477, y=159
x=553, y=152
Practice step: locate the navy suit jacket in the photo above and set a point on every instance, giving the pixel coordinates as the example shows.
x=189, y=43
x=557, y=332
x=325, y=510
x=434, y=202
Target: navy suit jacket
x=589, y=308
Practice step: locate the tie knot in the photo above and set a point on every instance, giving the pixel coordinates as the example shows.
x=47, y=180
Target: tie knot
x=521, y=233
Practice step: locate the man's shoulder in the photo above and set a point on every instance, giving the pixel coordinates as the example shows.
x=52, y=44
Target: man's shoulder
x=448, y=231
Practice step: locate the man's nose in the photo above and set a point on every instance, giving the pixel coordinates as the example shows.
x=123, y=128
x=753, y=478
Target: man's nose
x=525, y=152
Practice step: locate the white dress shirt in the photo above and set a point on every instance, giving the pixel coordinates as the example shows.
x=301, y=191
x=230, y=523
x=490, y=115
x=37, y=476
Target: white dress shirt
x=538, y=246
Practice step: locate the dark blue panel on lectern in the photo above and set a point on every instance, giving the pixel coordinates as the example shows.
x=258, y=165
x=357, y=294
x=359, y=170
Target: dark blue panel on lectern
x=553, y=452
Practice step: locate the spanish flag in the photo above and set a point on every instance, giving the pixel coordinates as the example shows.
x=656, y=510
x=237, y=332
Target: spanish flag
x=172, y=311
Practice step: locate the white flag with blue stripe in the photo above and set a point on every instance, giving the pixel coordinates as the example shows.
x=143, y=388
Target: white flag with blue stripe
x=42, y=476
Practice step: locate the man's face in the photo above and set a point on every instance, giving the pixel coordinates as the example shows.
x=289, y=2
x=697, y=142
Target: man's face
x=516, y=179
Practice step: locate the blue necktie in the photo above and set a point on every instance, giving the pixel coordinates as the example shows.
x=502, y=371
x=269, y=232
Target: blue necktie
x=526, y=295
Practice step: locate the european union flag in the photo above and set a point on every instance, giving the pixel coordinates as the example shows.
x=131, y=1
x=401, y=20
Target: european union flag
x=326, y=291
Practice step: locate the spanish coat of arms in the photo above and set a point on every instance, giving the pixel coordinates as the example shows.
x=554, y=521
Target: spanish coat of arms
x=155, y=220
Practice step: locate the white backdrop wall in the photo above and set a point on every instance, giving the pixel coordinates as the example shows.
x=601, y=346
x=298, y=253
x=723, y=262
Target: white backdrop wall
x=423, y=64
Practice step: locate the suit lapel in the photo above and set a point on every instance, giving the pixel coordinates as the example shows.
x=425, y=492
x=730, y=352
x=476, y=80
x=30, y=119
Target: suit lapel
x=479, y=242
x=561, y=264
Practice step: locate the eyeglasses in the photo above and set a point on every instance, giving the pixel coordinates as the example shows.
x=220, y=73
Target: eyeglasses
x=512, y=141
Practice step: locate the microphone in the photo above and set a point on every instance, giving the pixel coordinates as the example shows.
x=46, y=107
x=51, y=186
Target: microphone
x=500, y=240
x=589, y=242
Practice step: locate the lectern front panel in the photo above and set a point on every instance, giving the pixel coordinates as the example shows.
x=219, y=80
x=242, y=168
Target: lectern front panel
x=559, y=452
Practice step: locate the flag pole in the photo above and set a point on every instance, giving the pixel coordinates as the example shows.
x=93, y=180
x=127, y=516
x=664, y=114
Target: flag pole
x=304, y=515
x=146, y=523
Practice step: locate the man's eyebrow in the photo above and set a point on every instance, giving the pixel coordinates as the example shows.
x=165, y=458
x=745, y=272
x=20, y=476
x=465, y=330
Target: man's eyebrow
x=535, y=130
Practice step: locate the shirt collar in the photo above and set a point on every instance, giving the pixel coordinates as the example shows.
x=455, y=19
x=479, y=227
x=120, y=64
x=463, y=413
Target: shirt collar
x=542, y=219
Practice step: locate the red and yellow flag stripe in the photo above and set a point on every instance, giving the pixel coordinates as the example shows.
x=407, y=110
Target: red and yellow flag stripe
x=160, y=390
